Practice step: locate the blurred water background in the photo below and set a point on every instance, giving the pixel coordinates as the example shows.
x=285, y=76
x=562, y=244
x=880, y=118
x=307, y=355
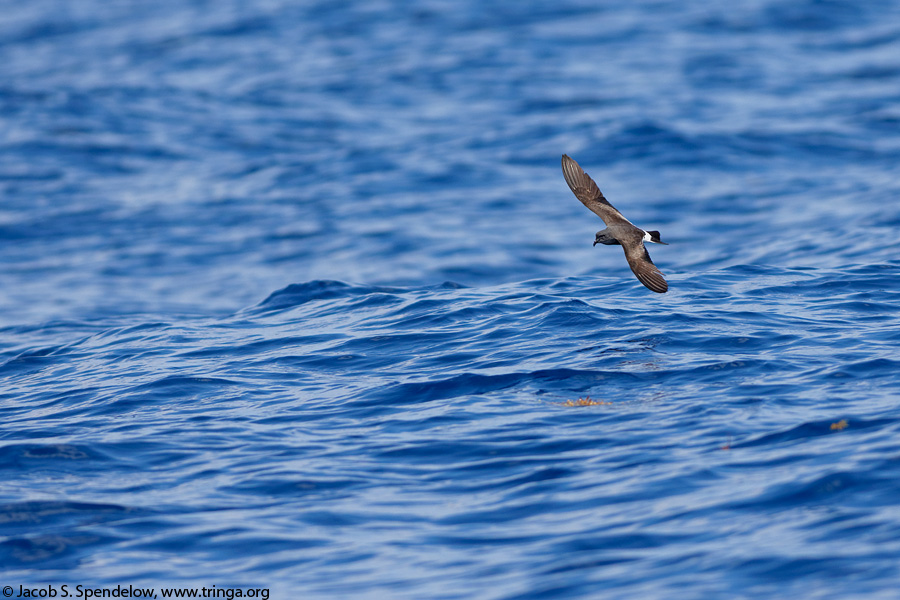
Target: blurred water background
x=293, y=295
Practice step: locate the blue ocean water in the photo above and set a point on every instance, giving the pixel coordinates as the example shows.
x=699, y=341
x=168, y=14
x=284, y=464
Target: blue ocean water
x=293, y=296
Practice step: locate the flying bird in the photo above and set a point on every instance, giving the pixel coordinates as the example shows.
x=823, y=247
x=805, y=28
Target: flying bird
x=619, y=230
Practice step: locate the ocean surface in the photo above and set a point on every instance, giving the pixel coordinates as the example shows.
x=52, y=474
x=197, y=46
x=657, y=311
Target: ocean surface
x=294, y=298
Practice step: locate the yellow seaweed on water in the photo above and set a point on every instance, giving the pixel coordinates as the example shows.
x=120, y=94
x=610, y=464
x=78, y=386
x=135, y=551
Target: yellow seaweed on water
x=586, y=401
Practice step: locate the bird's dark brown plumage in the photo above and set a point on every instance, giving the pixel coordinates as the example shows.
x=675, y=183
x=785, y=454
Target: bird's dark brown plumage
x=618, y=227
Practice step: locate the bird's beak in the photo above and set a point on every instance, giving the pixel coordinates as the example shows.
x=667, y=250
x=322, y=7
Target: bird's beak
x=595, y=242
x=663, y=243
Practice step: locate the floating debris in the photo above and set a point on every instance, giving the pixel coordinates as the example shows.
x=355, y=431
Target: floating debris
x=586, y=401
x=842, y=424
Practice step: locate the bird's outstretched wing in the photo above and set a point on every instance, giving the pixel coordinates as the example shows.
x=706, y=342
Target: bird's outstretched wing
x=587, y=191
x=643, y=268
